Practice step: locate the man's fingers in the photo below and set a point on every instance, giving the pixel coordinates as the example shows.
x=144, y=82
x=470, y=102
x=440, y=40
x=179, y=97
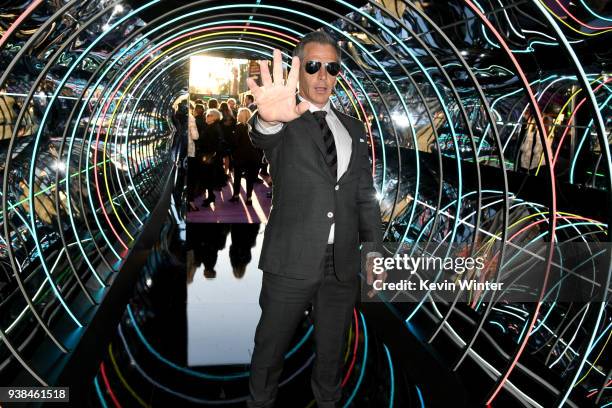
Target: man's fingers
x=265, y=73
x=302, y=107
x=278, y=68
x=294, y=73
x=253, y=87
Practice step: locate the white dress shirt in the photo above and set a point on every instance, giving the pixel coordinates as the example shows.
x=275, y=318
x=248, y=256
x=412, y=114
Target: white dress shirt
x=342, y=139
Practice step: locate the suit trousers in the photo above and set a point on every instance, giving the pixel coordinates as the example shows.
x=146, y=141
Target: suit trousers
x=283, y=301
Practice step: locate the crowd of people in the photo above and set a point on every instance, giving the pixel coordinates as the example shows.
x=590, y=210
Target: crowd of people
x=219, y=146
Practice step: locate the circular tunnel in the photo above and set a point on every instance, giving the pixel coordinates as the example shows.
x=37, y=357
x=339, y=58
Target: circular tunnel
x=488, y=130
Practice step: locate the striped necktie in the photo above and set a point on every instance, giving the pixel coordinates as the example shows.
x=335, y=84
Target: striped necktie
x=328, y=141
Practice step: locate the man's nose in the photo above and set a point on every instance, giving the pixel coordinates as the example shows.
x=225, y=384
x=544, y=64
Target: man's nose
x=322, y=74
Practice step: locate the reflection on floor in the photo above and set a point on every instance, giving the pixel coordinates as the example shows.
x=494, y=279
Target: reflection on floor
x=186, y=336
x=226, y=211
x=221, y=294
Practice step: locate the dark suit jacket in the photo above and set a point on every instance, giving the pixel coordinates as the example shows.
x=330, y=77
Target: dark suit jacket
x=306, y=200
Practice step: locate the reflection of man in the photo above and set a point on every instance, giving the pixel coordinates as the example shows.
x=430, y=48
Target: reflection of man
x=244, y=237
x=324, y=204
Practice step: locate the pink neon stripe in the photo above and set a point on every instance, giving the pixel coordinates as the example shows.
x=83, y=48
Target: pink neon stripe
x=352, y=365
x=571, y=119
x=365, y=120
x=106, y=383
x=107, y=105
x=533, y=224
x=579, y=21
x=19, y=20
x=553, y=210
x=597, y=390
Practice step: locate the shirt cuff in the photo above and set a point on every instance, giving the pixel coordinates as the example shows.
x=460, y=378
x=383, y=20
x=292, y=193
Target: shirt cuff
x=267, y=130
x=374, y=255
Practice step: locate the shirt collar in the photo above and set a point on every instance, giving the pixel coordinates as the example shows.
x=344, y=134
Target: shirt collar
x=313, y=108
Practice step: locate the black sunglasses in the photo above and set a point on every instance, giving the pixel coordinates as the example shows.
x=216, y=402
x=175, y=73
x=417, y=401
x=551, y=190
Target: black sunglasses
x=312, y=67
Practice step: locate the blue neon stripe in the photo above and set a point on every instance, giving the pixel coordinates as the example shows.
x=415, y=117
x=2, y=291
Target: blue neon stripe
x=420, y=396
x=363, y=363
x=392, y=376
x=99, y=392
x=198, y=374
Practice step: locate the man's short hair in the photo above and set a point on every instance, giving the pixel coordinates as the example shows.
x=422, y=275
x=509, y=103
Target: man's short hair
x=213, y=103
x=320, y=37
x=249, y=97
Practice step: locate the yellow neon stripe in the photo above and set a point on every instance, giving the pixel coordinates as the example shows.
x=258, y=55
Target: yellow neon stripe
x=44, y=190
x=144, y=69
x=556, y=121
x=595, y=361
x=348, y=344
x=350, y=97
x=122, y=379
x=595, y=222
x=572, y=28
x=130, y=84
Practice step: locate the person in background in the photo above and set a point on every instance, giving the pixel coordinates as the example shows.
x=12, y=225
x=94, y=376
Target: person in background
x=180, y=120
x=192, y=158
x=246, y=157
x=200, y=101
x=200, y=120
x=213, y=103
x=232, y=105
x=212, y=177
x=249, y=101
x=228, y=125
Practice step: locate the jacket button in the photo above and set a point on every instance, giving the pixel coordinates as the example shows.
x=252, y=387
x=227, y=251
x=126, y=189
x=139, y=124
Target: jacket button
x=330, y=214
x=337, y=187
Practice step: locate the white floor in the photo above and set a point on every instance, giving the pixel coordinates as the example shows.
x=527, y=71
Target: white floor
x=222, y=313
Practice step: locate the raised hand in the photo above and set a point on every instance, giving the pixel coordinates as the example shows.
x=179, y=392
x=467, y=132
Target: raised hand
x=276, y=100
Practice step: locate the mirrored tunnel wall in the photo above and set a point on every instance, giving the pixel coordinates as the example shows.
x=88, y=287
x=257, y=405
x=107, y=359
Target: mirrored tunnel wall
x=489, y=131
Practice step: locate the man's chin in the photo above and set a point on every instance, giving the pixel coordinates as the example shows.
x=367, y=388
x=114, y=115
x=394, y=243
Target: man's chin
x=321, y=101
x=317, y=99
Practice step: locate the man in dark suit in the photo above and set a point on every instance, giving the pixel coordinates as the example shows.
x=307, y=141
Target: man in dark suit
x=323, y=206
x=250, y=103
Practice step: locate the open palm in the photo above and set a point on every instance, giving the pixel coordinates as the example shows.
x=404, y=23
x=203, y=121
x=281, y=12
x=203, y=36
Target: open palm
x=275, y=100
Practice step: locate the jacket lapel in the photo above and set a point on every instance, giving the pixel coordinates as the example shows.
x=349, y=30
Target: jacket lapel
x=317, y=137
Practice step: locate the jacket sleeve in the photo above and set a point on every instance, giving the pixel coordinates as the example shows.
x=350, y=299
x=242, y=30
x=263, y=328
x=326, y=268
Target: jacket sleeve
x=265, y=139
x=370, y=223
x=193, y=128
